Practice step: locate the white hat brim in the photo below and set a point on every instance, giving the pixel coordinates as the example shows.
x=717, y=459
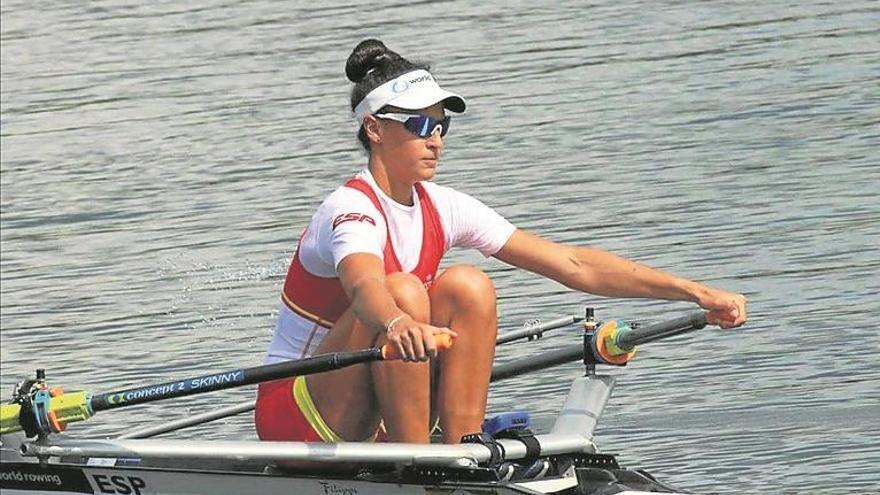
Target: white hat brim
x=417, y=100
x=411, y=91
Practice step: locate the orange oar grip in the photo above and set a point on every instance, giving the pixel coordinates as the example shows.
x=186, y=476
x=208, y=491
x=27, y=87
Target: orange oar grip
x=443, y=341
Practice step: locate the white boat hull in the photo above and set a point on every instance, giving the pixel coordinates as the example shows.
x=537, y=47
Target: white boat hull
x=55, y=479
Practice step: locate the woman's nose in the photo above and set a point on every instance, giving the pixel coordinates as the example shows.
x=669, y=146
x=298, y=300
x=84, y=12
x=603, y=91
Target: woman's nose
x=434, y=140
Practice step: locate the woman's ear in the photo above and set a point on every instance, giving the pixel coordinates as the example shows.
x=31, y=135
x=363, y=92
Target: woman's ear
x=372, y=129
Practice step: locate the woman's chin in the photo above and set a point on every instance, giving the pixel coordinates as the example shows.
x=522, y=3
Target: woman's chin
x=427, y=173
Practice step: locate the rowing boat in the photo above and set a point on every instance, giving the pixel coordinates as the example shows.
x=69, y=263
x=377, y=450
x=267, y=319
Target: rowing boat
x=506, y=458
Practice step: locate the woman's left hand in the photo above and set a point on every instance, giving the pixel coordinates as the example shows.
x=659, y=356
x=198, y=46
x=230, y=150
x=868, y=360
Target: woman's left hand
x=725, y=309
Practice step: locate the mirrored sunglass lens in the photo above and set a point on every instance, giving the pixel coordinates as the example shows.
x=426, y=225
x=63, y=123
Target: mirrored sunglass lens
x=424, y=126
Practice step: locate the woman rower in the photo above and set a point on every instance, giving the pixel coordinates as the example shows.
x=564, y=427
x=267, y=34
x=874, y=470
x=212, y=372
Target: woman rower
x=365, y=273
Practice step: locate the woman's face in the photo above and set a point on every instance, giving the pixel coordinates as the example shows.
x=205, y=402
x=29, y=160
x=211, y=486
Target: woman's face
x=406, y=156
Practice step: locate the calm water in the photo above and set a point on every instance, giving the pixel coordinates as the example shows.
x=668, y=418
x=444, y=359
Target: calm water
x=159, y=160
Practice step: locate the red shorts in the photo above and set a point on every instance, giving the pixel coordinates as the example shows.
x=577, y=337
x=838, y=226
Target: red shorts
x=285, y=413
x=278, y=417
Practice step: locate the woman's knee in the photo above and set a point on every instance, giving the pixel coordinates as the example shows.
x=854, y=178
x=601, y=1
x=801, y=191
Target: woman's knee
x=409, y=294
x=466, y=285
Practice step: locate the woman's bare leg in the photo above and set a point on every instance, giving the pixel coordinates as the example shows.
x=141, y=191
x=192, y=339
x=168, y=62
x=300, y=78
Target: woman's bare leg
x=463, y=299
x=353, y=400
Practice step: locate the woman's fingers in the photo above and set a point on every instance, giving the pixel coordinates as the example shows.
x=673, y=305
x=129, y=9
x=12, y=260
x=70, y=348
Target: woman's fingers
x=409, y=341
x=404, y=345
x=723, y=318
x=418, y=342
x=430, y=345
x=725, y=309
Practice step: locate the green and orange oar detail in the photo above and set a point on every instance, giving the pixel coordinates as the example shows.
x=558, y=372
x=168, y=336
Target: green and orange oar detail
x=37, y=409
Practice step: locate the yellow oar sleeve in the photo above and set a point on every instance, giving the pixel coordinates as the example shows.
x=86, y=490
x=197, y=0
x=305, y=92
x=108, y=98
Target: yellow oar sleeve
x=9, y=418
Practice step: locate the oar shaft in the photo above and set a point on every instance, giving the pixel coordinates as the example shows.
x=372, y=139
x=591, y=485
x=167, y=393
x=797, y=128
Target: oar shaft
x=191, y=420
x=231, y=379
x=663, y=329
x=499, y=372
x=534, y=363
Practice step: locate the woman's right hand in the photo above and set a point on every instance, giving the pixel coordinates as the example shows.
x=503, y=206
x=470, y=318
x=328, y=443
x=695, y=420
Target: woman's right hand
x=725, y=309
x=414, y=340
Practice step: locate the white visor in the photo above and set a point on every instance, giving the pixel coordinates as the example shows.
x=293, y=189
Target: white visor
x=411, y=91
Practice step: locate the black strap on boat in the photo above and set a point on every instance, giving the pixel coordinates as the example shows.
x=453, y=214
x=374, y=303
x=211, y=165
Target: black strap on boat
x=524, y=435
x=24, y=397
x=27, y=417
x=496, y=451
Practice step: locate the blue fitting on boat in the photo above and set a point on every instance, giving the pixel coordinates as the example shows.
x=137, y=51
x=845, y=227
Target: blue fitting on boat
x=41, y=403
x=514, y=420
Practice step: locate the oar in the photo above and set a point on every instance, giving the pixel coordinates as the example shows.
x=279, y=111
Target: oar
x=518, y=367
x=52, y=411
x=530, y=332
x=187, y=421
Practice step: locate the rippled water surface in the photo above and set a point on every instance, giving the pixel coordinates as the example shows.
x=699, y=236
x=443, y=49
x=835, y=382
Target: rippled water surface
x=160, y=158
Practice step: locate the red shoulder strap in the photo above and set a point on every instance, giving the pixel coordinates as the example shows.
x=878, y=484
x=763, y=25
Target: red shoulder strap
x=392, y=264
x=433, y=237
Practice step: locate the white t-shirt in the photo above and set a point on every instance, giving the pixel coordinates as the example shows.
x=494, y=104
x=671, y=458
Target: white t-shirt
x=360, y=228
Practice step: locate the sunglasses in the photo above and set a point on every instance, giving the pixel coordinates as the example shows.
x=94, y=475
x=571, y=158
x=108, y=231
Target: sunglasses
x=420, y=125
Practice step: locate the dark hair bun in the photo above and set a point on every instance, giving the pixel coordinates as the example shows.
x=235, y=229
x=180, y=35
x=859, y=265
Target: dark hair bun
x=366, y=56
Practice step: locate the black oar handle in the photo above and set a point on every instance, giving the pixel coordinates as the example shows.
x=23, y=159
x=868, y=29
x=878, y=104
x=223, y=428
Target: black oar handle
x=231, y=379
x=650, y=333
